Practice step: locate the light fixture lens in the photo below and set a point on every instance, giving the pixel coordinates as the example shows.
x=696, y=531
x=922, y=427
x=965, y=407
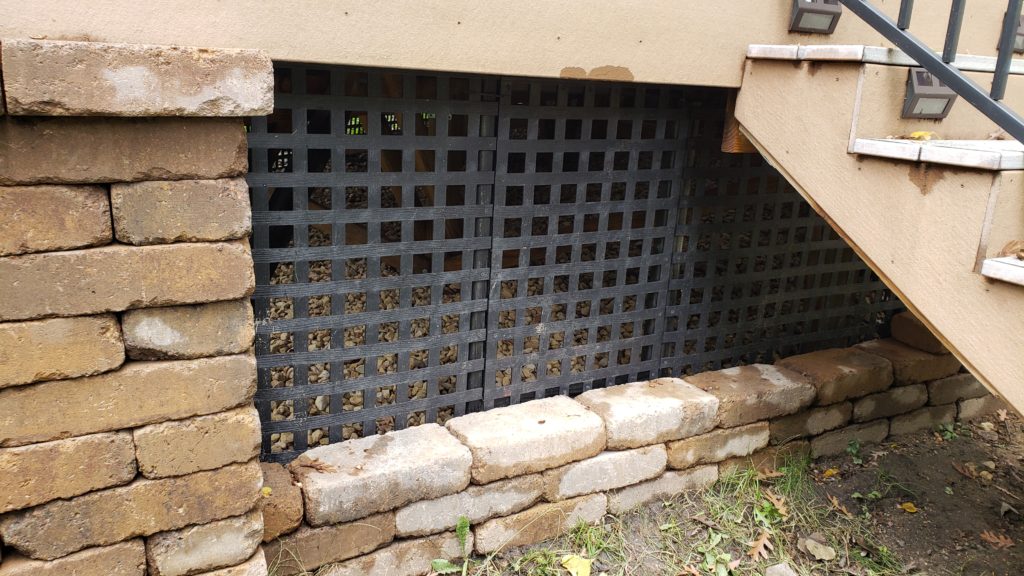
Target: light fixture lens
x=930, y=106
x=1018, y=43
x=812, y=21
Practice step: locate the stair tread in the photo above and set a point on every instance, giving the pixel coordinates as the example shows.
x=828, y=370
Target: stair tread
x=978, y=154
x=868, y=55
x=1009, y=269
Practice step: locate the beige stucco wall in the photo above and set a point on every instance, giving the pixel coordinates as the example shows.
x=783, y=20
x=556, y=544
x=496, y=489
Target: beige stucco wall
x=672, y=41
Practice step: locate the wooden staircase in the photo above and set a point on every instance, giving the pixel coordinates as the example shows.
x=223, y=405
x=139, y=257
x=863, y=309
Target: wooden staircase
x=930, y=217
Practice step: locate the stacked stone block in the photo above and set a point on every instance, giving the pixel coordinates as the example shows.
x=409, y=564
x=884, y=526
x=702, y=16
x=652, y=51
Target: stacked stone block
x=128, y=439
x=526, y=473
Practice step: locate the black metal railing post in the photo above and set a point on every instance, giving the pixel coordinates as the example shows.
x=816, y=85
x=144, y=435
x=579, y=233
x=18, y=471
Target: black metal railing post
x=983, y=100
x=1010, y=23
x=956, y=20
x=906, y=11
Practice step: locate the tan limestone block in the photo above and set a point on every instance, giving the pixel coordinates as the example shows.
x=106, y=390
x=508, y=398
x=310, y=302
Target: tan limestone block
x=255, y=566
x=122, y=559
x=927, y=418
x=40, y=150
x=181, y=211
x=539, y=523
x=64, y=78
x=46, y=218
x=768, y=458
x=201, y=443
x=139, y=393
x=842, y=373
x=910, y=365
x=810, y=422
x=717, y=445
x=836, y=441
x=179, y=332
x=309, y=548
x=59, y=348
x=757, y=392
x=405, y=558
x=959, y=387
x=909, y=330
x=204, y=547
x=282, y=508
x=380, y=473
x=114, y=278
x=645, y=413
x=35, y=474
x=975, y=408
x=899, y=400
x=476, y=503
x=141, y=508
x=529, y=437
x=664, y=487
x=606, y=471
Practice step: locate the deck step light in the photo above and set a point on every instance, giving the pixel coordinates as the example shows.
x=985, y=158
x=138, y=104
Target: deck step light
x=815, y=16
x=927, y=96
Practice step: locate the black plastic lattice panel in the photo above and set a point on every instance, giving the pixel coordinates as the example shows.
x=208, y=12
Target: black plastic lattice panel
x=756, y=273
x=371, y=196
x=588, y=177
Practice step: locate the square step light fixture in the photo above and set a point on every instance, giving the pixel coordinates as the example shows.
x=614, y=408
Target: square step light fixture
x=927, y=97
x=815, y=16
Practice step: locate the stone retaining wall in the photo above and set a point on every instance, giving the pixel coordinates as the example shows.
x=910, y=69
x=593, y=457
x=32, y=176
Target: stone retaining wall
x=128, y=439
x=525, y=473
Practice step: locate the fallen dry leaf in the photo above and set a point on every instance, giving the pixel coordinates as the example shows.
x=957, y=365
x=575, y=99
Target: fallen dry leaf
x=760, y=547
x=997, y=541
x=732, y=565
x=778, y=501
x=1002, y=414
x=839, y=507
x=768, y=473
x=303, y=466
x=830, y=473
x=691, y=569
x=967, y=471
x=908, y=507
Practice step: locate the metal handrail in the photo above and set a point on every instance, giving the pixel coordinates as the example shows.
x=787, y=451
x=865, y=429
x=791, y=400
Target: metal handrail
x=988, y=103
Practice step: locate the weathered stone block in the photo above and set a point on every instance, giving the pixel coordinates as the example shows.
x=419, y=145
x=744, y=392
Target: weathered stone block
x=645, y=413
x=115, y=278
x=606, y=471
x=123, y=559
x=842, y=373
x=974, y=408
x=758, y=392
x=837, y=441
x=910, y=365
x=45, y=218
x=59, y=348
x=539, y=523
x=959, y=387
x=769, y=458
x=181, y=211
x=41, y=150
x=200, y=443
x=476, y=503
x=810, y=422
x=529, y=437
x=928, y=418
x=907, y=329
x=35, y=474
x=380, y=473
x=139, y=393
x=141, y=508
x=180, y=332
x=282, y=508
x=407, y=558
x=717, y=445
x=899, y=400
x=255, y=566
x=310, y=548
x=663, y=487
x=204, y=547
x=62, y=78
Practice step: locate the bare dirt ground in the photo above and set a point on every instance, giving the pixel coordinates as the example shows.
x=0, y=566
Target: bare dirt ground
x=941, y=503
